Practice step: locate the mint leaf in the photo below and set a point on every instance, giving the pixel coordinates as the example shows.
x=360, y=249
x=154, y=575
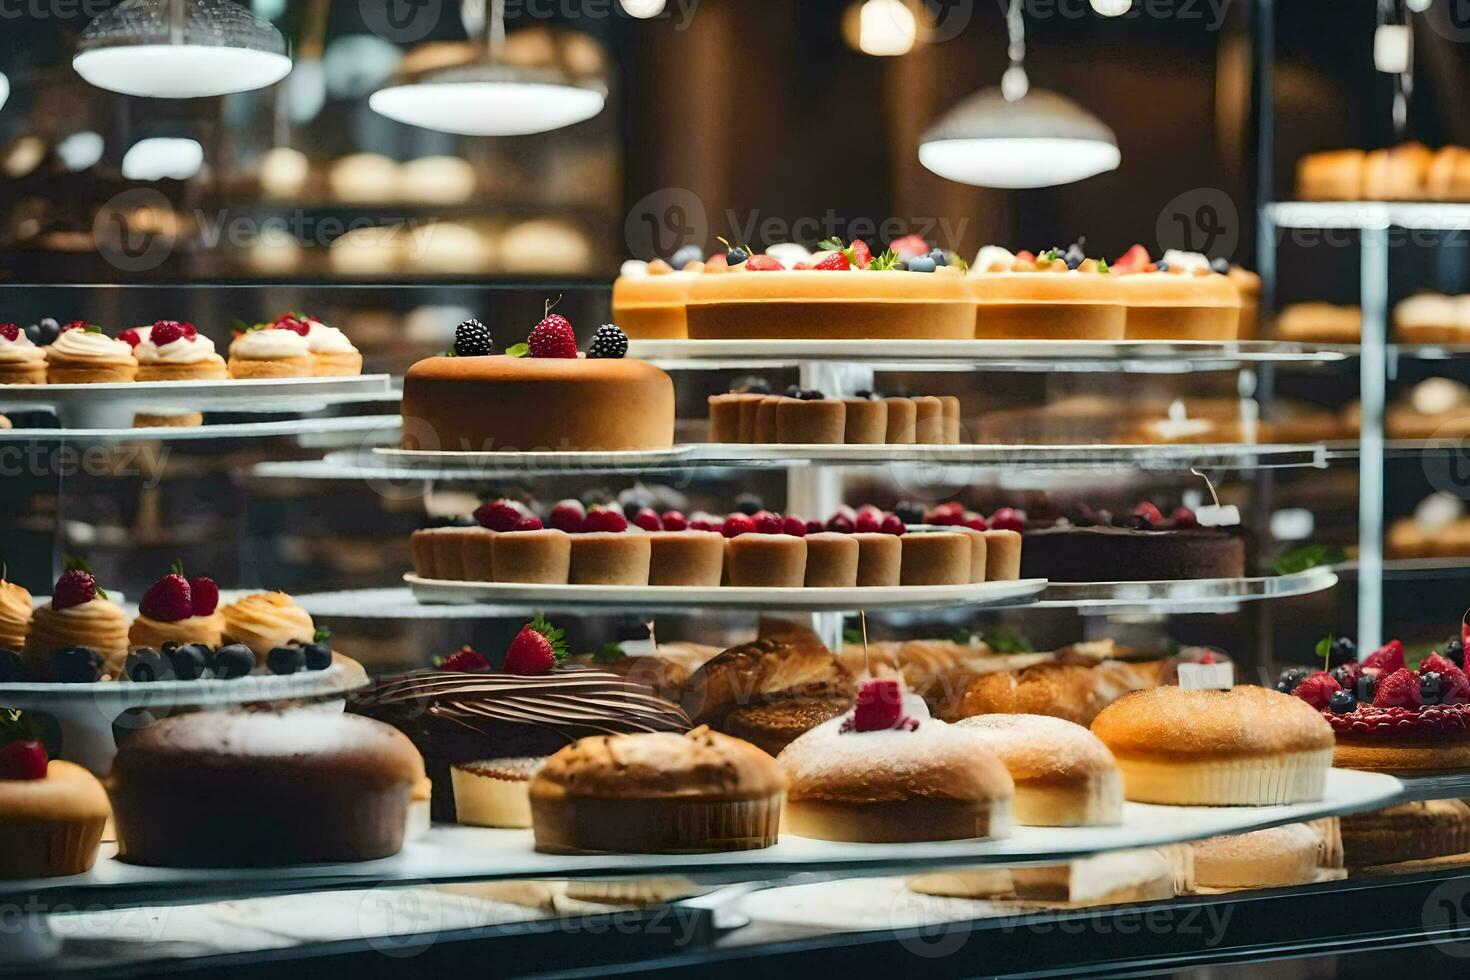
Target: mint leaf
x=608, y=653
x=1308, y=556
x=519, y=350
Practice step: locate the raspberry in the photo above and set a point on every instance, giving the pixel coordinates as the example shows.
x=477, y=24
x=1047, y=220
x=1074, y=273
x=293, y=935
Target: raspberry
x=1147, y=515
x=23, y=759
x=949, y=513
x=608, y=343
x=1184, y=517
x=1008, y=519
x=768, y=523
x=499, y=515
x=166, y=332
x=1399, y=689
x=569, y=516
x=976, y=523
x=674, y=520
x=536, y=648
x=205, y=593
x=814, y=527
x=168, y=600
x=464, y=660
x=73, y=588
x=908, y=246
x=763, y=263
x=836, y=262
x=553, y=337
x=648, y=519
x=704, y=522
x=738, y=524
x=869, y=519
x=472, y=339
x=1456, y=686
x=841, y=523
x=892, y=524
x=529, y=523
x=1434, y=663
x=605, y=519
x=879, y=706
x=291, y=323
x=1386, y=659
x=1317, y=689
x=11, y=332
x=794, y=526
x=130, y=336
x=75, y=325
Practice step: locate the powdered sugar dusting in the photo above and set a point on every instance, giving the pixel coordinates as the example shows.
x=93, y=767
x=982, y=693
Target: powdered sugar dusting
x=1038, y=745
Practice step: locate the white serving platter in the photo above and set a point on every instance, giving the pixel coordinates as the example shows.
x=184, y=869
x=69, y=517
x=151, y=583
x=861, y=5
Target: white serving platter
x=318, y=431
x=428, y=462
x=675, y=598
x=454, y=853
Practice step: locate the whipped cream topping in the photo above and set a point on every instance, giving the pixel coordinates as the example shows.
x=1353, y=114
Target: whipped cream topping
x=19, y=349
x=83, y=345
x=633, y=269
x=1187, y=261
x=270, y=345
x=322, y=339
x=185, y=350
x=993, y=258
x=789, y=253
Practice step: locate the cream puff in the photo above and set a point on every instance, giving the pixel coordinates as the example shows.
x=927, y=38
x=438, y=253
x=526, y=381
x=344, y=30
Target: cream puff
x=266, y=620
x=83, y=354
x=272, y=352
x=15, y=616
x=334, y=353
x=21, y=361
x=178, y=610
x=173, y=351
x=79, y=615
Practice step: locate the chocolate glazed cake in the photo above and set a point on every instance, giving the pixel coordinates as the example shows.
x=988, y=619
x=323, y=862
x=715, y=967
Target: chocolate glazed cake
x=1069, y=553
x=454, y=716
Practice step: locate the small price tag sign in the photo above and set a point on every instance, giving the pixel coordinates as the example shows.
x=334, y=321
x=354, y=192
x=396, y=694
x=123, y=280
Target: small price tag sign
x=1207, y=677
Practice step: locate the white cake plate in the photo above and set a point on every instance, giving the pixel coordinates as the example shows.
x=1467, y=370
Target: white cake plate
x=454, y=853
x=111, y=405
x=86, y=712
x=317, y=432
x=429, y=463
x=690, y=598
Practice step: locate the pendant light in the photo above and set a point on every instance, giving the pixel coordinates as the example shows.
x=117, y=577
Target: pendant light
x=486, y=96
x=180, y=49
x=1015, y=136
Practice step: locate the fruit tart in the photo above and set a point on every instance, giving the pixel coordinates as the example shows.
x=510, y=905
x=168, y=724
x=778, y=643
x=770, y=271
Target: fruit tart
x=1060, y=294
x=1388, y=717
x=648, y=298
x=173, y=351
x=79, y=635
x=178, y=610
x=1183, y=296
x=21, y=361
x=51, y=812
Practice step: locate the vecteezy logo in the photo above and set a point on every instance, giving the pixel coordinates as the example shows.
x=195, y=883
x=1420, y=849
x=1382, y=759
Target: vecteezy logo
x=944, y=20
x=1446, y=918
x=401, y=21
x=135, y=230
x=1449, y=19
x=663, y=222
x=1203, y=219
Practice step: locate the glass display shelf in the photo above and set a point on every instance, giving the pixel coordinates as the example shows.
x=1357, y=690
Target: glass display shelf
x=336, y=432
x=1210, y=595
x=450, y=853
x=1435, y=785
x=1369, y=215
x=1134, y=357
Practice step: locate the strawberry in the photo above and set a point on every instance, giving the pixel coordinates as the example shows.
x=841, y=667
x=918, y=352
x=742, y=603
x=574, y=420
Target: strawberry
x=568, y=515
x=1465, y=629
x=737, y=524
x=499, y=515
x=1133, y=260
x=701, y=521
x=166, y=332
x=763, y=263
x=1316, y=689
x=530, y=522
x=768, y=523
x=909, y=246
x=1399, y=689
x=861, y=255
x=23, y=759
x=1208, y=657
x=553, y=337
x=648, y=519
x=1455, y=686
x=168, y=600
x=1008, y=519
x=1025, y=255
x=1184, y=517
x=535, y=649
x=73, y=588
x=836, y=262
x=205, y=594
x=879, y=706
x=9, y=331
x=1386, y=659
x=892, y=524
x=869, y=519
x=1435, y=663
x=1147, y=515
x=130, y=336
x=605, y=519
x=464, y=660
x=674, y=520
x=794, y=526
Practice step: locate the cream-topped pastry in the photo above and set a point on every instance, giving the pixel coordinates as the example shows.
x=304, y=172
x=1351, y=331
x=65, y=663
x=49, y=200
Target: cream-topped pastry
x=178, y=610
x=335, y=355
x=78, y=615
x=271, y=352
x=266, y=620
x=21, y=361
x=173, y=351
x=15, y=616
x=83, y=354
x=1051, y=296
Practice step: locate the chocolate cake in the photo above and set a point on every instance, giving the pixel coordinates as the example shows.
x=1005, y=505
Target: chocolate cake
x=1067, y=552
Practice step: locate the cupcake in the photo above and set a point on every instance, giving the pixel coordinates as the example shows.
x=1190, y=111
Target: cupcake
x=83, y=354
x=334, y=353
x=80, y=623
x=51, y=812
x=493, y=792
x=15, y=616
x=178, y=610
x=21, y=361
x=272, y=351
x=657, y=793
x=174, y=351
x=266, y=620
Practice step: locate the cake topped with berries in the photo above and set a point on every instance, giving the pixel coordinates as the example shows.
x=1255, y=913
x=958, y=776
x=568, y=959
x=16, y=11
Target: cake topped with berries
x=79, y=634
x=542, y=395
x=178, y=610
x=1056, y=294
x=1083, y=544
x=1182, y=296
x=648, y=297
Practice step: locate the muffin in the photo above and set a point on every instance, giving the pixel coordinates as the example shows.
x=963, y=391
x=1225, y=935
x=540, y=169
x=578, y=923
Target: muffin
x=51, y=812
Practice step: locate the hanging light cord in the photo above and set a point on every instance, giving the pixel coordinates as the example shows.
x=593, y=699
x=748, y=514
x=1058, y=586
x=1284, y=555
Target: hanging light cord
x=1014, y=83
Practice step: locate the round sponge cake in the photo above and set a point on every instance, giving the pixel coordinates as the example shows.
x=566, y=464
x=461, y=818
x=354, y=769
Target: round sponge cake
x=500, y=403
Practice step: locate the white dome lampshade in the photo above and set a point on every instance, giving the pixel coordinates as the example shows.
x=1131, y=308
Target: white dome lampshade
x=1038, y=140
x=486, y=99
x=180, y=49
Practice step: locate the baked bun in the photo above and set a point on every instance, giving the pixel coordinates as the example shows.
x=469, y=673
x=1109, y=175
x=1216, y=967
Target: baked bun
x=1406, y=832
x=1075, y=691
x=775, y=667
x=219, y=789
x=1064, y=776
x=1247, y=746
x=922, y=781
x=1278, y=856
x=659, y=793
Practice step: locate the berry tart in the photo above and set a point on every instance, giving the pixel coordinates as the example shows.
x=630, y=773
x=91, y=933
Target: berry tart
x=266, y=621
x=1086, y=545
x=178, y=610
x=173, y=351
x=273, y=350
x=843, y=292
x=16, y=610
x=83, y=354
x=648, y=298
x=79, y=635
x=1059, y=294
x=1388, y=717
x=886, y=772
x=1183, y=296
x=21, y=361
x=538, y=396
x=51, y=812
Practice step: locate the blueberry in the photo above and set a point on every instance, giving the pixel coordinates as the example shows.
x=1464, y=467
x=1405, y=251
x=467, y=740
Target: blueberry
x=793, y=391
x=49, y=330
x=169, y=646
x=1290, y=678
x=939, y=257
x=234, y=660
x=811, y=395
x=685, y=255
x=1161, y=266
x=902, y=265
x=9, y=666
x=286, y=660
x=190, y=661
x=736, y=256
x=864, y=394
x=1343, y=650
x=921, y=263
x=145, y=665
x=318, y=656
x=79, y=665
x=1454, y=650
x=33, y=334
x=1342, y=702
x=1220, y=265
x=1431, y=688
x=909, y=513
x=1367, y=688
x=749, y=503
x=1074, y=256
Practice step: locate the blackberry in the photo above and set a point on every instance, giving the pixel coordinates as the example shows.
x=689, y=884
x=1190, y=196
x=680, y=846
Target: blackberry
x=472, y=339
x=1431, y=688
x=1454, y=651
x=1290, y=678
x=608, y=342
x=1343, y=649
x=1344, y=676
